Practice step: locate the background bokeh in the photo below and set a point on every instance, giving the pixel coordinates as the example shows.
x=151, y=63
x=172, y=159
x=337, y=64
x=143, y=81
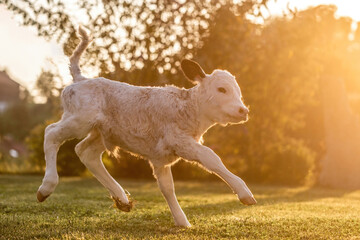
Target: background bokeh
x=299, y=73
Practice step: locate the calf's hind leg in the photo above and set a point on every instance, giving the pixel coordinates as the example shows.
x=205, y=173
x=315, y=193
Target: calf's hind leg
x=55, y=135
x=90, y=151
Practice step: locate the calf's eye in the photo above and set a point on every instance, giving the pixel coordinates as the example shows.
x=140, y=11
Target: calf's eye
x=222, y=90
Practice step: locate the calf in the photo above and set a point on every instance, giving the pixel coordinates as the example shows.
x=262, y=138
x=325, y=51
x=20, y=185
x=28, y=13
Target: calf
x=161, y=124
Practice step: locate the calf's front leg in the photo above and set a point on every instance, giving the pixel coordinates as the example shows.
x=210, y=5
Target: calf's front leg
x=193, y=151
x=166, y=185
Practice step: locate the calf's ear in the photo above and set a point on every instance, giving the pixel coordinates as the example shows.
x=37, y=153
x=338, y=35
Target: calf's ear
x=192, y=70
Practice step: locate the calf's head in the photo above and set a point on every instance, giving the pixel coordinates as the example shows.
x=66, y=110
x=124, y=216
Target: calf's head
x=219, y=94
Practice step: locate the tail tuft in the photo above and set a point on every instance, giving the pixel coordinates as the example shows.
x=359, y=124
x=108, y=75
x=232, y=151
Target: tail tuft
x=75, y=57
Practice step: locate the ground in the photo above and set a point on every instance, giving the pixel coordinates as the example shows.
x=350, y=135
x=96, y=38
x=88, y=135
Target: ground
x=80, y=208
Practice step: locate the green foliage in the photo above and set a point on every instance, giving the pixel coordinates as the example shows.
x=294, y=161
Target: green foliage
x=278, y=66
x=81, y=209
x=35, y=143
x=266, y=148
x=145, y=35
x=68, y=163
x=156, y=34
x=12, y=120
x=20, y=117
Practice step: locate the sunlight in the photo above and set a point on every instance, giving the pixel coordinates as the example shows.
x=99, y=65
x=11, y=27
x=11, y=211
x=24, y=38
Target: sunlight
x=345, y=8
x=349, y=8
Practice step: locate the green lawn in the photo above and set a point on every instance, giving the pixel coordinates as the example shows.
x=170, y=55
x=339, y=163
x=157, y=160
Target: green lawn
x=81, y=209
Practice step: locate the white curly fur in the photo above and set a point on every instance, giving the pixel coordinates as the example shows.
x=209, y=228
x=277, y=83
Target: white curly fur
x=161, y=124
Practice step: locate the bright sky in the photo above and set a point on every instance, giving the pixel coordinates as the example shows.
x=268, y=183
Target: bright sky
x=24, y=54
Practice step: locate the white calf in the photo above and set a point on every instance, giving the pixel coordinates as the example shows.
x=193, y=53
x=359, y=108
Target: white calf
x=161, y=124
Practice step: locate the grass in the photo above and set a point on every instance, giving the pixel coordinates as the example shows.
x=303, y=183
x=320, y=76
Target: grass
x=81, y=209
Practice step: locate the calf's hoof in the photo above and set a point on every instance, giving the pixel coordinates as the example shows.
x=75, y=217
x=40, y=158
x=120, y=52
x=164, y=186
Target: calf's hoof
x=248, y=200
x=41, y=197
x=123, y=206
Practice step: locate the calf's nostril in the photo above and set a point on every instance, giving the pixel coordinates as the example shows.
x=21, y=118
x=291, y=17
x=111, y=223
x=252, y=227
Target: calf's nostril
x=243, y=111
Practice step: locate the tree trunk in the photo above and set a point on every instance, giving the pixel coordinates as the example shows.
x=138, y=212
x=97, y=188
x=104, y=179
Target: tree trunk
x=340, y=167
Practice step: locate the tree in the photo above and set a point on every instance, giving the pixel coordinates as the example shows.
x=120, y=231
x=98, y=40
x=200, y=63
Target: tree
x=136, y=42
x=279, y=66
